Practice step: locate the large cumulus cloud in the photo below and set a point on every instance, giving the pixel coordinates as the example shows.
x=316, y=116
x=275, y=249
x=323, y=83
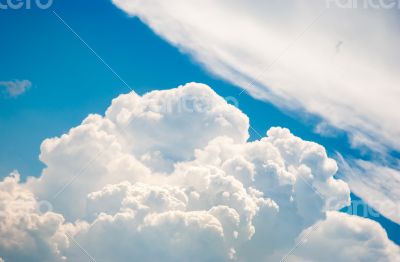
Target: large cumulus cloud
x=313, y=57
x=171, y=176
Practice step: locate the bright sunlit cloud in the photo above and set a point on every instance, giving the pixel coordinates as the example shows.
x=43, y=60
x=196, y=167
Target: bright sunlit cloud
x=171, y=175
x=327, y=58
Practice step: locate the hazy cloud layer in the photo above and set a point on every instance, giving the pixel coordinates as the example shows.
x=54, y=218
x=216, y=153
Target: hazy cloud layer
x=15, y=88
x=170, y=176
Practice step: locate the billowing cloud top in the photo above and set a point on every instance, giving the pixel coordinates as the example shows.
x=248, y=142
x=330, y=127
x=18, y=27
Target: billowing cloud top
x=170, y=176
x=337, y=60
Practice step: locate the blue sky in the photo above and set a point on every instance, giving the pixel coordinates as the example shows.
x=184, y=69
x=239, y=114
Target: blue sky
x=69, y=81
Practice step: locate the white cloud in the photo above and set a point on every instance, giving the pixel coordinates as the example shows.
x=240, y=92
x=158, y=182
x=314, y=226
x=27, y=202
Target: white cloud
x=356, y=90
x=15, y=88
x=339, y=64
x=25, y=234
x=216, y=197
x=378, y=184
x=137, y=135
x=325, y=241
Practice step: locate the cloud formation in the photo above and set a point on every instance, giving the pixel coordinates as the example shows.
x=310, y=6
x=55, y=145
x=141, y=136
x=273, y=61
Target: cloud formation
x=256, y=41
x=155, y=180
x=366, y=180
x=328, y=236
x=15, y=88
x=317, y=56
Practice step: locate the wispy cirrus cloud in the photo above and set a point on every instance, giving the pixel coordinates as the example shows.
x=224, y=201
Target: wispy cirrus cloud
x=311, y=56
x=15, y=88
x=378, y=184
